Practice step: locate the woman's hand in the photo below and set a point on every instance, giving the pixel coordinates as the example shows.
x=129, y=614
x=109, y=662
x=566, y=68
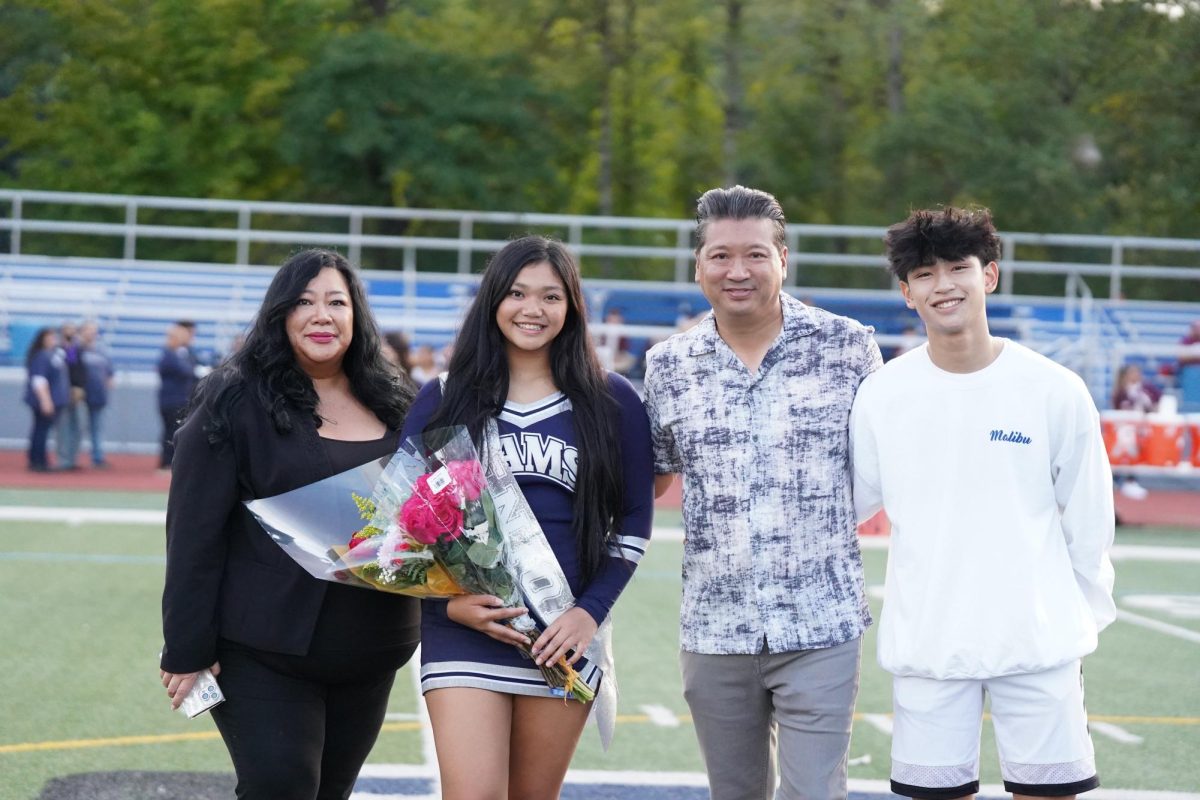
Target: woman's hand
x=179, y=684
x=484, y=613
x=573, y=630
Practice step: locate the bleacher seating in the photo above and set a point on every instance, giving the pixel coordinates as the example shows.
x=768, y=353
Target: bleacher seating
x=134, y=302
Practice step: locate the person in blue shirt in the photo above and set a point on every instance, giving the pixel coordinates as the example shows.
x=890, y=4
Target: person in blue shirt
x=577, y=441
x=97, y=370
x=177, y=377
x=66, y=426
x=47, y=392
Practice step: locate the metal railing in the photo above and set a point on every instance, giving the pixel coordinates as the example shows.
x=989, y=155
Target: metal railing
x=667, y=256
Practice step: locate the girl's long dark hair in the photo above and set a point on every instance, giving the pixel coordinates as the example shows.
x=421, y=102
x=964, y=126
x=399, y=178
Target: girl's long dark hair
x=477, y=386
x=36, y=344
x=266, y=365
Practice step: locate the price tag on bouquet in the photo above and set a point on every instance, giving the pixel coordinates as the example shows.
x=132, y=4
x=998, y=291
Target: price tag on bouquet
x=439, y=480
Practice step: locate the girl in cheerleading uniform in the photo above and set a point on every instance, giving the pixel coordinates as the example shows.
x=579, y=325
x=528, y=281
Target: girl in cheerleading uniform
x=577, y=441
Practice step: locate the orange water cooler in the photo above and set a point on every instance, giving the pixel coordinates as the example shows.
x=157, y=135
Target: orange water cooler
x=1160, y=440
x=1120, y=430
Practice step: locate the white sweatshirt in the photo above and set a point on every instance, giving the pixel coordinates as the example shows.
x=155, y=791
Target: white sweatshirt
x=999, y=492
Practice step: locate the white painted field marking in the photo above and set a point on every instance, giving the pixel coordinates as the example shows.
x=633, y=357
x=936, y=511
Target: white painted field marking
x=1155, y=625
x=1114, y=732
x=661, y=716
x=399, y=717
x=667, y=534
x=1181, y=606
x=80, y=516
x=138, y=516
x=1145, y=552
x=880, y=722
x=1119, y=552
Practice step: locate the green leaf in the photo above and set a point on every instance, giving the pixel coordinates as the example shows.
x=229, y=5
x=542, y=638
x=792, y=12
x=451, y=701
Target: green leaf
x=485, y=555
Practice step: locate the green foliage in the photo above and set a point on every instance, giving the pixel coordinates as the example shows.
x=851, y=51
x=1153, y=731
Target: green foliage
x=1062, y=115
x=177, y=97
x=392, y=122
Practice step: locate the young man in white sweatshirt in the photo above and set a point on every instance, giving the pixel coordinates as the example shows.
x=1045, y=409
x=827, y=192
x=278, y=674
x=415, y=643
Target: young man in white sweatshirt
x=988, y=461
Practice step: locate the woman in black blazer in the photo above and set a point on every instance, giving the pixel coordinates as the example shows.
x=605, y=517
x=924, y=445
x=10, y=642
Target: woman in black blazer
x=305, y=665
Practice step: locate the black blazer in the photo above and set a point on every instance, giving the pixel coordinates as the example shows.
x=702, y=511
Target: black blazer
x=225, y=576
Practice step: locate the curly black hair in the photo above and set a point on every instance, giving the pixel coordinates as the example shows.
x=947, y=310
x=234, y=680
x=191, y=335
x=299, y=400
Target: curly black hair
x=944, y=234
x=266, y=364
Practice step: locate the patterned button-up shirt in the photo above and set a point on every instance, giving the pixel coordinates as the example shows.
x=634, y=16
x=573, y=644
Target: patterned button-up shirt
x=770, y=547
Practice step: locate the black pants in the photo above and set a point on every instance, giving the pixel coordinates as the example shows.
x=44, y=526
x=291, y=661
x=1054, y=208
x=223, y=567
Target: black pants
x=37, y=439
x=300, y=728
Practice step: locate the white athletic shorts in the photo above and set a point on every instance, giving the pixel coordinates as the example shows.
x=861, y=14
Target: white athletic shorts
x=1041, y=732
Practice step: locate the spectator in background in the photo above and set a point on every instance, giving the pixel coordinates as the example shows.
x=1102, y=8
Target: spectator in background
x=422, y=365
x=612, y=347
x=47, y=391
x=1189, y=369
x=1192, y=337
x=909, y=339
x=236, y=343
x=1131, y=392
x=97, y=382
x=66, y=427
x=686, y=319
x=177, y=372
x=395, y=350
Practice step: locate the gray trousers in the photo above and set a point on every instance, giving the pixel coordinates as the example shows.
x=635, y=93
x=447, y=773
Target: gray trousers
x=750, y=711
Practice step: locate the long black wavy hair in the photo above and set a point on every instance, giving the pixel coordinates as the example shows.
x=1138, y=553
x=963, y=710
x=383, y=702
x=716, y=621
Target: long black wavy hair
x=36, y=344
x=266, y=364
x=477, y=386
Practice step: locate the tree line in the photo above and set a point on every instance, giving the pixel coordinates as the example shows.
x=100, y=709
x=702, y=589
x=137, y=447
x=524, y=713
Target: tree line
x=1060, y=115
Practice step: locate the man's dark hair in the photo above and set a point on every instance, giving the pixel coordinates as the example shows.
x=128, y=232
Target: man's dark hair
x=186, y=323
x=945, y=234
x=738, y=202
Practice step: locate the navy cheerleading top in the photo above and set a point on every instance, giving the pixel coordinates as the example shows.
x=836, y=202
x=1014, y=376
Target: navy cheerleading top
x=540, y=444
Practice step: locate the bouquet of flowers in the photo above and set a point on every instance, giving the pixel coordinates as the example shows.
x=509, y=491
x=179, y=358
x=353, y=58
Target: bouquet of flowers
x=430, y=527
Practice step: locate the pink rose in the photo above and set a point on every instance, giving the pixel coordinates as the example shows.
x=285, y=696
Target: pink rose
x=427, y=516
x=468, y=477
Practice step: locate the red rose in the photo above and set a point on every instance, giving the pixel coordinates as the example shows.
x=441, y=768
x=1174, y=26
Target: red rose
x=468, y=477
x=427, y=516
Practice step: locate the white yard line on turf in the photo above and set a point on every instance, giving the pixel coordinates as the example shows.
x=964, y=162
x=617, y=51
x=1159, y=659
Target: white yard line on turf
x=80, y=516
x=1155, y=625
x=661, y=716
x=880, y=722
x=1120, y=552
x=1114, y=732
x=135, y=516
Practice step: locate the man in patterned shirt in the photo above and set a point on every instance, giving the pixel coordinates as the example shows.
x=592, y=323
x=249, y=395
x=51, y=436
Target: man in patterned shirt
x=751, y=406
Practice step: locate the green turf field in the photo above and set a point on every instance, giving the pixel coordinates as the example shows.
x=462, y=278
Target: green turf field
x=80, y=627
